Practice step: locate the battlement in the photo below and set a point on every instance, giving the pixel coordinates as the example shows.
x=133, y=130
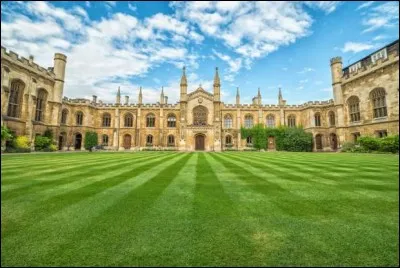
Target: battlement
x=373, y=61
x=336, y=60
x=48, y=73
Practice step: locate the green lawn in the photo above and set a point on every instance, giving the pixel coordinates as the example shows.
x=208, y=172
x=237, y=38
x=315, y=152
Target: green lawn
x=199, y=209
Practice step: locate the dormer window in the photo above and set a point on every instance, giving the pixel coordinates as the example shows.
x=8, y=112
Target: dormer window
x=355, y=67
x=381, y=54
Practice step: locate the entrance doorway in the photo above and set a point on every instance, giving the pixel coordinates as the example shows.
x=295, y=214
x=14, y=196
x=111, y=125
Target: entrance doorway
x=78, y=141
x=271, y=143
x=318, y=141
x=127, y=141
x=61, y=141
x=333, y=141
x=199, y=142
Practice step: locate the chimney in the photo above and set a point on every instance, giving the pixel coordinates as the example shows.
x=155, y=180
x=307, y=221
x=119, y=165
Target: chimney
x=31, y=59
x=126, y=100
x=94, y=98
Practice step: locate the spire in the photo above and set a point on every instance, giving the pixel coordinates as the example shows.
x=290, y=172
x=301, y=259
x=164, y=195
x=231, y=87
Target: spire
x=280, y=94
x=237, y=96
x=140, y=99
x=118, y=101
x=259, y=94
x=216, y=78
x=183, y=78
x=162, y=99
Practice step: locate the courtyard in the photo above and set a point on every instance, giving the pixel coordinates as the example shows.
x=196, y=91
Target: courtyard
x=199, y=209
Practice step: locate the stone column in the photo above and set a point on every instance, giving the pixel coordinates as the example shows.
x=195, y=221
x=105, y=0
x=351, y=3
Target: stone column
x=116, y=126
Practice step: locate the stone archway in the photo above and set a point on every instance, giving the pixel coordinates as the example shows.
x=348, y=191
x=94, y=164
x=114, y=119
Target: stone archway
x=200, y=140
x=61, y=140
x=271, y=143
x=318, y=142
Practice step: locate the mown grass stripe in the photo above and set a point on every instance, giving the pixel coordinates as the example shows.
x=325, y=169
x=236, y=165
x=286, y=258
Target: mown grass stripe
x=62, y=200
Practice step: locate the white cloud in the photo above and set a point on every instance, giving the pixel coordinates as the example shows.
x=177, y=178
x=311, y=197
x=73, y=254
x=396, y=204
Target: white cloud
x=303, y=81
x=327, y=89
x=365, y=5
x=87, y=3
x=356, y=47
x=326, y=6
x=132, y=7
x=306, y=70
x=384, y=15
x=380, y=37
x=284, y=69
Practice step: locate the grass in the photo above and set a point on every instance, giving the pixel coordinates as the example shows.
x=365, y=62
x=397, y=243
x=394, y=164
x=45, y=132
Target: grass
x=199, y=209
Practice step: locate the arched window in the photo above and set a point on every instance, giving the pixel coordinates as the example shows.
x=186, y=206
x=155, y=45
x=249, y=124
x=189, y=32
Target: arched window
x=171, y=140
x=106, y=120
x=64, y=116
x=318, y=141
x=291, y=121
x=378, y=98
x=105, y=140
x=270, y=120
x=228, y=139
x=200, y=116
x=79, y=118
x=331, y=118
x=128, y=120
x=40, y=104
x=248, y=121
x=15, y=99
x=149, y=140
x=354, y=108
x=249, y=140
x=317, y=118
x=150, y=120
x=228, y=121
x=171, y=120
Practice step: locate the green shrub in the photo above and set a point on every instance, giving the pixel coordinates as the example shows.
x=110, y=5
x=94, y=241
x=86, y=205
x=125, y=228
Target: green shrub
x=348, y=146
x=6, y=134
x=369, y=143
x=91, y=140
x=389, y=144
x=42, y=142
x=49, y=134
x=53, y=147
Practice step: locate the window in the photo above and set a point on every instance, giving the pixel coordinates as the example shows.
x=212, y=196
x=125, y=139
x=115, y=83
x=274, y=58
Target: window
x=248, y=121
x=331, y=118
x=64, y=115
x=228, y=139
x=149, y=140
x=381, y=133
x=171, y=121
x=317, y=118
x=249, y=140
x=106, y=120
x=355, y=135
x=15, y=99
x=150, y=120
x=270, y=120
x=354, y=108
x=79, y=118
x=200, y=116
x=378, y=98
x=291, y=121
x=382, y=54
x=40, y=104
x=128, y=120
x=105, y=140
x=228, y=121
x=171, y=140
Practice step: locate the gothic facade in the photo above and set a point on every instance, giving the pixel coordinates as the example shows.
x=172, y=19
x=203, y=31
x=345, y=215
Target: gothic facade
x=366, y=99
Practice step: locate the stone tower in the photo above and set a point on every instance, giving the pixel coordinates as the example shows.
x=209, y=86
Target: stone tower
x=60, y=61
x=336, y=70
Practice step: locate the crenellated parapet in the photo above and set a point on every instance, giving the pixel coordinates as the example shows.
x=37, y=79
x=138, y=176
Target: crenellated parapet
x=28, y=64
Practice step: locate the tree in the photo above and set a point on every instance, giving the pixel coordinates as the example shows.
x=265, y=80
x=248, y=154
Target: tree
x=259, y=137
x=91, y=140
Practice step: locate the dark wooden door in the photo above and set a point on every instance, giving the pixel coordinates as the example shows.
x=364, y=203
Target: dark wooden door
x=127, y=141
x=271, y=143
x=333, y=141
x=60, y=142
x=78, y=141
x=199, y=143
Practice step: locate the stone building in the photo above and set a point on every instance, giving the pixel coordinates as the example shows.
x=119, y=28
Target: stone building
x=366, y=99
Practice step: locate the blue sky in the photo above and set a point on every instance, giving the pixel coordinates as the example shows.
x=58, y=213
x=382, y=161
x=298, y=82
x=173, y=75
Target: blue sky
x=254, y=44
